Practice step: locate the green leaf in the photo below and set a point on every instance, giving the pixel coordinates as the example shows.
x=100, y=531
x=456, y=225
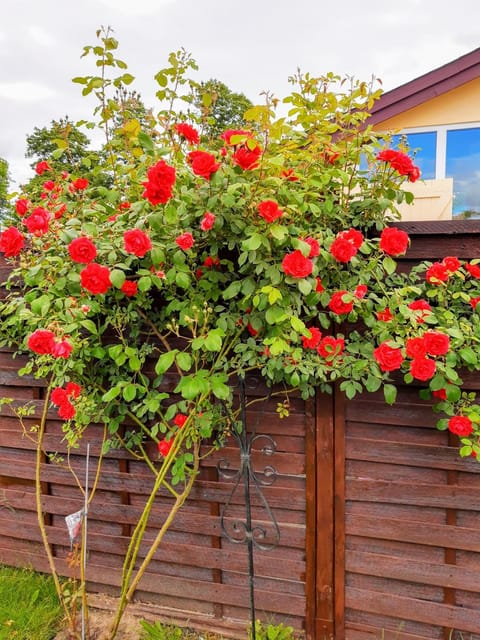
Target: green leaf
x=111, y=394
x=89, y=325
x=390, y=393
x=220, y=390
x=129, y=392
x=372, y=384
x=252, y=243
x=213, y=340
x=275, y=315
x=41, y=305
x=468, y=355
x=145, y=141
x=389, y=265
x=184, y=361
x=134, y=363
x=117, y=278
x=144, y=283
x=165, y=361
x=182, y=279
x=232, y=290
x=298, y=325
x=305, y=286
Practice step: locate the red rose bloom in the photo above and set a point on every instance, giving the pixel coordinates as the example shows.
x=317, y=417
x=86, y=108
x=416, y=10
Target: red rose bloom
x=41, y=341
x=436, y=343
x=296, y=265
x=247, y=158
x=331, y=347
x=474, y=302
x=95, y=278
x=238, y=136
x=80, y=184
x=460, y=425
x=402, y=163
x=188, y=132
x=337, y=304
x=59, y=396
x=451, y=263
x=42, y=167
x=441, y=394
x=319, y=288
x=82, y=250
x=180, y=420
x=342, y=250
x=38, y=222
x=129, y=288
x=164, y=447
x=11, y=242
x=360, y=291
x=473, y=270
x=385, y=315
x=185, y=241
x=312, y=342
x=21, y=206
x=269, y=210
x=211, y=261
x=422, y=368
x=415, y=348
x=423, y=307
x=388, y=358
x=314, y=247
x=207, y=221
x=437, y=273
x=73, y=389
x=354, y=236
x=159, y=185
x=62, y=349
x=137, y=242
x=203, y=164
x=66, y=411
x=394, y=241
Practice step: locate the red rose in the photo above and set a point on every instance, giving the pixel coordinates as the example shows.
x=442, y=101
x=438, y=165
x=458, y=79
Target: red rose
x=180, y=420
x=401, y=163
x=337, y=304
x=11, y=242
x=312, y=342
x=79, y=184
x=62, y=349
x=49, y=185
x=164, y=447
x=423, y=307
x=360, y=291
x=354, y=236
x=473, y=270
x=41, y=341
x=474, y=302
x=203, y=164
x=66, y=411
x=188, y=132
x=82, y=250
x=437, y=273
x=211, y=261
x=235, y=136
x=137, y=242
x=342, y=250
x=436, y=343
x=441, y=394
x=314, y=247
x=385, y=315
x=207, y=221
x=394, y=241
x=73, y=389
x=460, y=425
x=42, y=167
x=21, y=206
x=319, y=288
x=247, y=158
x=422, y=368
x=95, y=278
x=185, y=241
x=296, y=265
x=38, y=222
x=129, y=288
x=415, y=348
x=60, y=211
x=451, y=263
x=269, y=210
x=331, y=347
x=159, y=185
x=388, y=358
x=59, y=396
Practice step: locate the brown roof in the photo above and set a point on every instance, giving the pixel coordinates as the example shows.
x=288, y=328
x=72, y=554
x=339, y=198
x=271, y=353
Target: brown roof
x=430, y=85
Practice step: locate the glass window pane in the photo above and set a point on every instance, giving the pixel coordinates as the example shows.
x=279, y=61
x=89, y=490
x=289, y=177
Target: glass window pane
x=463, y=165
x=422, y=148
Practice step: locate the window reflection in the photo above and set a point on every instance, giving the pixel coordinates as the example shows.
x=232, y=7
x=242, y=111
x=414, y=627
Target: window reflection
x=463, y=165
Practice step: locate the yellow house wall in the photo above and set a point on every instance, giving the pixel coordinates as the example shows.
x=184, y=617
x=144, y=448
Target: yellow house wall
x=458, y=106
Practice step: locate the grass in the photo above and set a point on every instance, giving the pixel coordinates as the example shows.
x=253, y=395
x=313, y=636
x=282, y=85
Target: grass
x=28, y=605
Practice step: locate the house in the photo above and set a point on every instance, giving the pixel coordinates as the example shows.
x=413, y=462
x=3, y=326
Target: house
x=438, y=115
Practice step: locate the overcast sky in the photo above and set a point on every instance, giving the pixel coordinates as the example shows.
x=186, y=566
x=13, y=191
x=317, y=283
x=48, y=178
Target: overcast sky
x=251, y=45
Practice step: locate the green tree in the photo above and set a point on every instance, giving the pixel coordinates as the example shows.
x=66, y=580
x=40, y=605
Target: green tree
x=220, y=108
x=4, y=182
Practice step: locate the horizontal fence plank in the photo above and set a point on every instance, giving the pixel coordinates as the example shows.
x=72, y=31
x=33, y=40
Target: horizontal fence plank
x=402, y=607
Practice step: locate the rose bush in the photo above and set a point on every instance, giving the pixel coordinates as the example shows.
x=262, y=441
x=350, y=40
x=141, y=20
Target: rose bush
x=210, y=259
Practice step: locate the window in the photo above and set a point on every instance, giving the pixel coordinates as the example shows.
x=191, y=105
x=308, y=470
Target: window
x=449, y=151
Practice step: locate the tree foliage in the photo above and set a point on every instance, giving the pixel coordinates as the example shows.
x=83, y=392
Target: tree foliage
x=220, y=108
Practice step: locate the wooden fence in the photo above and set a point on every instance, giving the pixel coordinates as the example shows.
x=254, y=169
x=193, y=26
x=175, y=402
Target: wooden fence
x=379, y=517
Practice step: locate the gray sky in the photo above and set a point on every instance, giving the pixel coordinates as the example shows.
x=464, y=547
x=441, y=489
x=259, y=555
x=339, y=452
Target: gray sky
x=251, y=45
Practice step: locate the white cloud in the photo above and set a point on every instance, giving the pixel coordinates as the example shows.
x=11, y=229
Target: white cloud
x=136, y=8
x=40, y=36
x=25, y=91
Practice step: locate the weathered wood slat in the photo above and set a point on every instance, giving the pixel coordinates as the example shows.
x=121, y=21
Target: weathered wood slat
x=448, y=616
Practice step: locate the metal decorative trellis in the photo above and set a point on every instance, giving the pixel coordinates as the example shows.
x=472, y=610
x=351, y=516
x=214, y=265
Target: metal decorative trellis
x=262, y=536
